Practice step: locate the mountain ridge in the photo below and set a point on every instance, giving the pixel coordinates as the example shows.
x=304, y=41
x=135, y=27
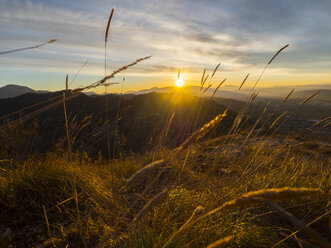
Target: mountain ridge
x=226, y=91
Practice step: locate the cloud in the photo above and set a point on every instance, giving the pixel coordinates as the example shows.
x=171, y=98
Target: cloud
x=242, y=34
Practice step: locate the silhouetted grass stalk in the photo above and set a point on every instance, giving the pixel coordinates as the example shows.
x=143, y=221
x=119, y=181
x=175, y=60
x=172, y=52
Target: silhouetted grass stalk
x=67, y=126
x=27, y=48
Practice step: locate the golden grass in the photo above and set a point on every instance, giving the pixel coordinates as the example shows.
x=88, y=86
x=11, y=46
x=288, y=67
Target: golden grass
x=218, y=87
x=169, y=124
x=47, y=224
x=321, y=121
x=294, y=233
x=269, y=194
x=277, y=119
x=253, y=198
x=150, y=205
x=97, y=199
x=308, y=98
x=288, y=95
x=327, y=124
x=308, y=231
x=197, y=135
x=143, y=172
x=253, y=96
x=243, y=81
x=221, y=242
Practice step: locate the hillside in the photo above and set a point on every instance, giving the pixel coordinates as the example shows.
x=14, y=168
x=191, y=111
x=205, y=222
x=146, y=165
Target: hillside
x=193, y=197
x=12, y=90
x=184, y=172
x=234, y=151
x=141, y=120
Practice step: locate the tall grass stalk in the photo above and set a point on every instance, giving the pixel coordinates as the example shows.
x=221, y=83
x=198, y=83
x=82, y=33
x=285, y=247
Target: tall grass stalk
x=212, y=75
x=67, y=126
x=249, y=199
x=308, y=98
x=28, y=48
x=277, y=119
x=117, y=118
x=221, y=242
x=308, y=231
x=48, y=228
x=270, y=61
x=288, y=95
x=107, y=117
x=218, y=87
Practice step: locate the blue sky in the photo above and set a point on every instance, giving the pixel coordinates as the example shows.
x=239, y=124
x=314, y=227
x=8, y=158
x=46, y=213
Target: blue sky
x=187, y=35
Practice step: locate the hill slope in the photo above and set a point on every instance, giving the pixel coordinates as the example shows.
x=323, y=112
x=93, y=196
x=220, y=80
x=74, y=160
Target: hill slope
x=136, y=122
x=12, y=90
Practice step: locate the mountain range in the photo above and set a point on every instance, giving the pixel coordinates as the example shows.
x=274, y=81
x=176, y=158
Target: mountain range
x=227, y=91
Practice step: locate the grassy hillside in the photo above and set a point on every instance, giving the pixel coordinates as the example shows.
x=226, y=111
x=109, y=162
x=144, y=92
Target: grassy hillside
x=135, y=121
x=48, y=201
x=186, y=190
x=163, y=170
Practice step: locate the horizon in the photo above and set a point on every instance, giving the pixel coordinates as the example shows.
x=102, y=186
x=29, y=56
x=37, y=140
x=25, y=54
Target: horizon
x=241, y=35
x=279, y=89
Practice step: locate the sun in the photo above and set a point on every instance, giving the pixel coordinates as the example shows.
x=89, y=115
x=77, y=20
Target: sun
x=179, y=82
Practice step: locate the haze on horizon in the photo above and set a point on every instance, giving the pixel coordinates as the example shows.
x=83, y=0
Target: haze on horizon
x=186, y=35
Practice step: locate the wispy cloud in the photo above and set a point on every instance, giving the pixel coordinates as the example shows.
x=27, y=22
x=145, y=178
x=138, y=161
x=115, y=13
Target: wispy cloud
x=242, y=34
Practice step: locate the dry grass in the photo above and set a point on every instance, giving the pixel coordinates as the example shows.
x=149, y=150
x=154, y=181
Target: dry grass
x=54, y=201
x=323, y=120
x=203, y=77
x=218, y=65
x=204, y=81
x=243, y=82
x=218, y=87
x=103, y=81
x=221, y=242
x=207, y=88
x=277, y=119
x=28, y=48
x=143, y=173
x=314, y=236
x=168, y=219
x=277, y=53
x=288, y=95
x=151, y=204
x=108, y=25
x=249, y=199
x=308, y=98
x=197, y=135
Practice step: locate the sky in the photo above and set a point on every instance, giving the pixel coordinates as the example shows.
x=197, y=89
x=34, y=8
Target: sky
x=189, y=35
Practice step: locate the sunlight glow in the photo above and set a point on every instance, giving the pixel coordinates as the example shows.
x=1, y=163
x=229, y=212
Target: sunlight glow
x=179, y=82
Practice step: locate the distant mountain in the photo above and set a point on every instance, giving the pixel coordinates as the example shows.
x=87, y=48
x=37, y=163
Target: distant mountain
x=232, y=92
x=12, y=90
x=322, y=96
x=224, y=92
